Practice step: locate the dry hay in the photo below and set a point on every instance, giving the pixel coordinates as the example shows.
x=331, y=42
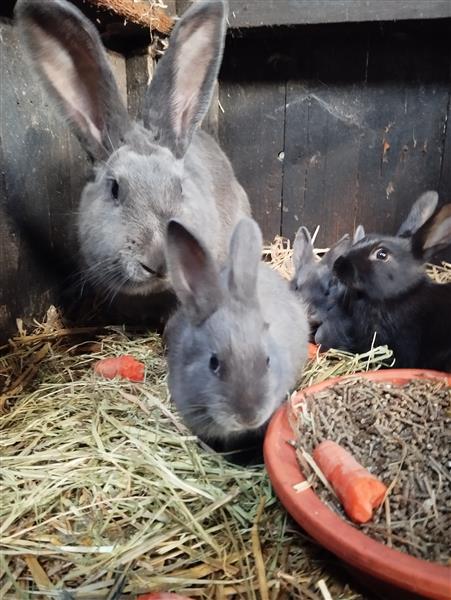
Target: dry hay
x=105, y=494
x=103, y=488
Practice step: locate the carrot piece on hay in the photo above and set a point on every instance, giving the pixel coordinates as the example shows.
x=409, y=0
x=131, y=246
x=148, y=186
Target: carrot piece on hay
x=125, y=367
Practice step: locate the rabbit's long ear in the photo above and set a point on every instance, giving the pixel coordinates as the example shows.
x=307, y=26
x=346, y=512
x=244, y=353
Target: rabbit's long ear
x=180, y=92
x=193, y=273
x=420, y=212
x=302, y=249
x=337, y=250
x=434, y=235
x=359, y=234
x=65, y=49
x=245, y=255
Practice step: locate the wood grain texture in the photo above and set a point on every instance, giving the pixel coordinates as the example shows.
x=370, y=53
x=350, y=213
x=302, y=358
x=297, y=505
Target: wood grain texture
x=251, y=126
x=324, y=128
x=259, y=13
x=43, y=170
x=139, y=70
x=365, y=128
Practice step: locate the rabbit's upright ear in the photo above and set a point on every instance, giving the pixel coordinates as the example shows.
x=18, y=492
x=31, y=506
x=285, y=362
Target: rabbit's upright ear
x=337, y=250
x=65, y=50
x=193, y=273
x=302, y=249
x=434, y=235
x=245, y=255
x=180, y=92
x=420, y=212
x=359, y=234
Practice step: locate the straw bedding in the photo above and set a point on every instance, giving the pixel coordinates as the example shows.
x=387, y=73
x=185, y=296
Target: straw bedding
x=105, y=494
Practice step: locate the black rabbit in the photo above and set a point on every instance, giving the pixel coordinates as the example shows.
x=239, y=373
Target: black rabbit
x=389, y=294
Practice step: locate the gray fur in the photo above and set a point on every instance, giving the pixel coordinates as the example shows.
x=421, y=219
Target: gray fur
x=253, y=317
x=313, y=280
x=166, y=168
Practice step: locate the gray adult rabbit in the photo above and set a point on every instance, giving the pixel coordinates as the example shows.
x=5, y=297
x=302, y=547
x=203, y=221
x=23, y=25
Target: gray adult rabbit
x=145, y=173
x=396, y=299
x=313, y=280
x=238, y=342
x=340, y=329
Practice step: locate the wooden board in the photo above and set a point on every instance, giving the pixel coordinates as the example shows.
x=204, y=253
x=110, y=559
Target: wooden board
x=324, y=127
x=251, y=126
x=371, y=128
x=365, y=128
x=43, y=170
x=258, y=13
x=139, y=70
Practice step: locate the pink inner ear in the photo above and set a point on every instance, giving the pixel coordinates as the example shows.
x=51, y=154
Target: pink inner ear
x=193, y=60
x=60, y=71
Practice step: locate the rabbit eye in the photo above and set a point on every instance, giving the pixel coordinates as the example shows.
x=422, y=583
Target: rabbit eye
x=381, y=254
x=114, y=188
x=214, y=364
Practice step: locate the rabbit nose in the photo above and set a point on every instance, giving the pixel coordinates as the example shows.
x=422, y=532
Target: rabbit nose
x=249, y=418
x=344, y=269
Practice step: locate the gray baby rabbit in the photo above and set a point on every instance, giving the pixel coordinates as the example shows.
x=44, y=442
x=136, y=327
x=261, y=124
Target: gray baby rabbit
x=238, y=342
x=395, y=297
x=145, y=173
x=313, y=280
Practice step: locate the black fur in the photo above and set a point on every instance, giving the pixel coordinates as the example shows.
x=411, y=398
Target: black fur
x=390, y=295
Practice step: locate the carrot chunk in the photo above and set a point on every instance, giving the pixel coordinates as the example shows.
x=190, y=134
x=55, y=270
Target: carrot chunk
x=358, y=490
x=125, y=367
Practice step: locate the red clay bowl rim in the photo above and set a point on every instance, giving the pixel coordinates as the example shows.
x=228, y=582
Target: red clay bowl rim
x=325, y=526
x=312, y=350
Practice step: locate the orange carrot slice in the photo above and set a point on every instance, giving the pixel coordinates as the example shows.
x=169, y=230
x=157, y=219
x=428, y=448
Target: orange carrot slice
x=358, y=490
x=125, y=367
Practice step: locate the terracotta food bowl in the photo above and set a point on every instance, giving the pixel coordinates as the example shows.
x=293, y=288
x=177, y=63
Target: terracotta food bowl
x=372, y=558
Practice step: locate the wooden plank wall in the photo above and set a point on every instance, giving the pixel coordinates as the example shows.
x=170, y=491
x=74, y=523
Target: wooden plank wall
x=334, y=125
x=42, y=172
x=255, y=13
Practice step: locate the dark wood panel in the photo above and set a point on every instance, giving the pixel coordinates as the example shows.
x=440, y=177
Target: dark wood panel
x=252, y=94
x=324, y=129
x=137, y=68
x=366, y=121
x=258, y=13
x=43, y=169
x=371, y=114
x=251, y=133
x=407, y=101
x=445, y=176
